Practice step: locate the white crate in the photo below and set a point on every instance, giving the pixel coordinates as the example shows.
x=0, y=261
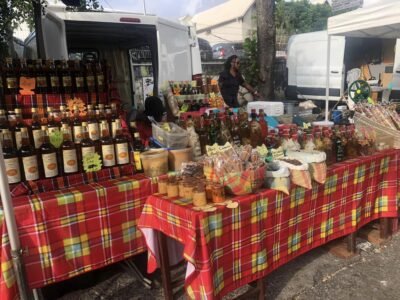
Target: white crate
x=271, y=108
x=177, y=138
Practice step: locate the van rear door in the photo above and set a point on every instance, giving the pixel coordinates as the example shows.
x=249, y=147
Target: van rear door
x=54, y=37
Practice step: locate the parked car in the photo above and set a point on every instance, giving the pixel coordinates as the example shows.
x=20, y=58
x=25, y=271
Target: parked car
x=206, y=53
x=224, y=50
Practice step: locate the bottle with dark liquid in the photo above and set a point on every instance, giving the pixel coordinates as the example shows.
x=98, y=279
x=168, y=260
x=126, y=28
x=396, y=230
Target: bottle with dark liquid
x=41, y=78
x=11, y=161
x=78, y=78
x=132, y=129
x=19, y=125
x=28, y=158
x=244, y=129
x=121, y=145
x=87, y=144
x=137, y=149
x=11, y=78
x=52, y=124
x=68, y=153
x=36, y=130
x=114, y=118
x=255, y=130
x=90, y=78
x=66, y=78
x=100, y=79
x=65, y=119
x=77, y=125
x=235, y=131
x=93, y=125
x=203, y=134
x=263, y=124
x=107, y=146
x=48, y=154
x=3, y=121
x=54, y=77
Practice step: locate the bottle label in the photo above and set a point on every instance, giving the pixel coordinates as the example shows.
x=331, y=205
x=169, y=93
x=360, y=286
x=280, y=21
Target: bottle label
x=54, y=81
x=108, y=154
x=12, y=170
x=87, y=150
x=18, y=139
x=41, y=81
x=31, y=169
x=77, y=134
x=100, y=80
x=93, y=131
x=53, y=129
x=79, y=82
x=90, y=81
x=138, y=162
x=37, y=138
x=70, y=161
x=114, y=129
x=50, y=165
x=11, y=82
x=122, y=153
x=66, y=81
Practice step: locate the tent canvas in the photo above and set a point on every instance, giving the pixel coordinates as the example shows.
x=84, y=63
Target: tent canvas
x=379, y=21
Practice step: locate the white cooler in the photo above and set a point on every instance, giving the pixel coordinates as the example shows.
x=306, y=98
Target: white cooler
x=271, y=108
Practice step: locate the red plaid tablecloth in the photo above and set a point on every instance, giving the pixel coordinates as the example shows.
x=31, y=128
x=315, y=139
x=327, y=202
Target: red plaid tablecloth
x=228, y=248
x=70, y=231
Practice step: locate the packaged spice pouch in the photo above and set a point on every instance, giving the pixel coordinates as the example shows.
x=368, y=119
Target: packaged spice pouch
x=245, y=152
x=316, y=161
x=318, y=172
x=277, y=178
x=299, y=173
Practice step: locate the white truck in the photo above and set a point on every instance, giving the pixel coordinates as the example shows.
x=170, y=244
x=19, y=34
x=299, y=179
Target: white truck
x=142, y=49
x=306, y=64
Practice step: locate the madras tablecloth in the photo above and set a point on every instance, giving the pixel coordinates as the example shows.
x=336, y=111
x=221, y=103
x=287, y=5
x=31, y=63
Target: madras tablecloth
x=228, y=248
x=70, y=231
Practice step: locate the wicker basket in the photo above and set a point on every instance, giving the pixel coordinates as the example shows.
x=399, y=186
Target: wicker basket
x=384, y=134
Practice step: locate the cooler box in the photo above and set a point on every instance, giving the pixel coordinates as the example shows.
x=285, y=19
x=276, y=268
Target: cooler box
x=177, y=138
x=271, y=108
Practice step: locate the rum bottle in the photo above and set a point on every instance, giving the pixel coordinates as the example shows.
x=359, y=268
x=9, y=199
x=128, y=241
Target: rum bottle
x=107, y=146
x=87, y=144
x=93, y=125
x=99, y=74
x=11, y=78
x=114, y=118
x=28, y=158
x=77, y=126
x=255, y=130
x=68, y=153
x=66, y=78
x=79, y=79
x=263, y=124
x=48, y=154
x=54, y=77
x=19, y=125
x=235, y=131
x=90, y=78
x=41, y=78
x=244, y=129
x=137, y=149
x=121, y=145
x=11, y=161
x=36, y=130
x=52, y=124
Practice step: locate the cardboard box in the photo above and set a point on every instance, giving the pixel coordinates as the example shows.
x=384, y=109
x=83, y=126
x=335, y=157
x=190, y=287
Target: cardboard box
x=386, y=78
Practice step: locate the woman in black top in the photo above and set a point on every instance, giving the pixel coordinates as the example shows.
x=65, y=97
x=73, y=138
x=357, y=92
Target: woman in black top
x=229, y=81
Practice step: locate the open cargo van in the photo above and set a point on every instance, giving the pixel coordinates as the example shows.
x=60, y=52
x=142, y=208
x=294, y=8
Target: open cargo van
x=145, y=51
x=306, y=64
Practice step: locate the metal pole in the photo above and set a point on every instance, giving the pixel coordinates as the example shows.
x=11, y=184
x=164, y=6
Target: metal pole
x=328, y=64
x=9, y=216
x=144, y=6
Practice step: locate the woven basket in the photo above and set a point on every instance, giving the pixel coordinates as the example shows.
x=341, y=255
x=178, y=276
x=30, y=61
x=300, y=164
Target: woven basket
x=243, y=183
x=384, y=134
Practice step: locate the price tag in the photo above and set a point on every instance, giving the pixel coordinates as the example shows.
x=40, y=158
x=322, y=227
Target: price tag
x=277, y=153
x=91, y=162
x=212, y=150
x=27, y=84
x=56, y=138
x=262, y=150
x=225, y=147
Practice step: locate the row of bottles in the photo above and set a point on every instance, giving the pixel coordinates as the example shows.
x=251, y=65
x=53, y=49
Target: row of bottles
x=53, y=77
x=30, y=163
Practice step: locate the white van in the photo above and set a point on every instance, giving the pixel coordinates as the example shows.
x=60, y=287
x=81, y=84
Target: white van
x=142, y=49
x=306, y=63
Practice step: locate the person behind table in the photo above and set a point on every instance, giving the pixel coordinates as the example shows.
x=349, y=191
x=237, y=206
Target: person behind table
x=229, y=81
x=153, y=110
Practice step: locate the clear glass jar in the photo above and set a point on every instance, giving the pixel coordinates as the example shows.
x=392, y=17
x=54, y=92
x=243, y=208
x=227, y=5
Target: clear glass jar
x=218, y=193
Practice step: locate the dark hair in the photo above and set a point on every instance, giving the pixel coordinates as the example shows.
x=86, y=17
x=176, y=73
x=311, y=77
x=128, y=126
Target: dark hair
x=154, y=107
x=228, y=62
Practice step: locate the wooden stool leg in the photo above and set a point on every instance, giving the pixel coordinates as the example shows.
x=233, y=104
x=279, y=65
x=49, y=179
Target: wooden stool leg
x=261, y=289
x=165, y=268
x=384, y=230
x=351, y=242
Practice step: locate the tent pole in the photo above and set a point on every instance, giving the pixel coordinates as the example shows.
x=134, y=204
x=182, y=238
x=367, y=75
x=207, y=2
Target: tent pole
x=16, y=251
x=328, y=60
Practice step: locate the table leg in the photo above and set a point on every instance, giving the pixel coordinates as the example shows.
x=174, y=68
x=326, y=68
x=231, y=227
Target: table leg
x=164, y=266
x=261, y=289
x=351, y=242
x=385, y=224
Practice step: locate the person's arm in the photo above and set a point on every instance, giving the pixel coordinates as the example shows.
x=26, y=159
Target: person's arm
x=250, y=89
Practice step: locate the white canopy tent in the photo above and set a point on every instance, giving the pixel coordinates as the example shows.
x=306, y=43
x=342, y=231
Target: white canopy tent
x=379, y=21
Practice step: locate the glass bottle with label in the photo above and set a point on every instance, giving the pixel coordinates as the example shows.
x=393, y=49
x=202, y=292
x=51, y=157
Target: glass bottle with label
x=235, y=130
x=18, y=126
x=255, y=130
x=132, y=129
x=36, y=131
x=93, y=125
x=3, y=121
x=28, y=157
x=225, y=134
x=114, y=118
x=65, y=118
x=11, y=161
x=11, y=78
x=107, y=146
x=69, y=153
x=100, y=114
x=203, y=134
x=78, y=79
x=24, y=72
x=52, y=124
x=100, y=81
x=244, y=129
x=90, y=80
x=48, y=156
x=66, y=78
x=41, y=78
x=54, y=77
x=121, y=145
x=87, y=144
x=263, y=124
x=77, y=125
x=137, y=149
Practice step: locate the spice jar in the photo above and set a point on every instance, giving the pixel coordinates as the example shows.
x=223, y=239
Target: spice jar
x=172, y=189
x=180, y=188
x=188, y=190
x=209, y=187
x=218, y=193
x=162, y=185
x=199, y=196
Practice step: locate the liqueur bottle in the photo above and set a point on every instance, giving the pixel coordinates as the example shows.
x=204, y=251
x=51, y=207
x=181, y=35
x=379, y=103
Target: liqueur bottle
x=19, y=125
x=77, y=126
x=28, y=158
x=11, y=78
x=203, y=135
x=93, y=125
x=114, y=118
x=244, y=129
x=52, y=124
x=68, y=153
x=107, y=146
x=66, y=78
x=41, y=78
x=255, y=130
x=36, y=130
x=65, y=119
x=235, y=130
x=11, y=161
x=263, y=124
x=78, y=78
x=121, y=145
x=48, y=156
x=90, y=78
x=54, y=77
x=100, y=79
x=87, y=144
x=137, y=149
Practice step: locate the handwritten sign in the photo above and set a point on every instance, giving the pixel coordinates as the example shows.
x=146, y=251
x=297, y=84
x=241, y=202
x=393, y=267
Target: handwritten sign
x=91, y=162
x=277, y=153
x=56, y=138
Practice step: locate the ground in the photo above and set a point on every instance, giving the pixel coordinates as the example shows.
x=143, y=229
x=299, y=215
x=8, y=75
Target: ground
x=373, y=274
